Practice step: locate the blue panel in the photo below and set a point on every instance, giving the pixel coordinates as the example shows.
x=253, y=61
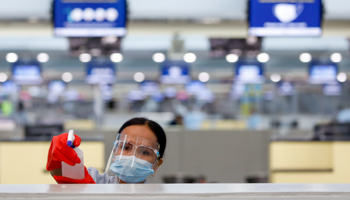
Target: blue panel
x=56, y=86
x=175, y=72
x=285, y=17
x=249, y=72
x=26, y=73
x=322, y=72
x=332, y=89
x=89, y=18
x=100, y=72
x=285, y=88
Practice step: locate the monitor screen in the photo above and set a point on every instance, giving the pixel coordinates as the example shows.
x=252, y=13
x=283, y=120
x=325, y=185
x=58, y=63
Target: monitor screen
x=149, y=87
x=89, y=18
x=332, y=89
x=94, y=45
x=220, y=47
x=175, y=72
x=285, y=18
x=26, y=73
x=136, y=95
x=56, y=86
x=43, y=130
x=106, y=91
x=285, y=88
x=249, y=73
x=320, y=73
x=100, y=72
x=194, y=87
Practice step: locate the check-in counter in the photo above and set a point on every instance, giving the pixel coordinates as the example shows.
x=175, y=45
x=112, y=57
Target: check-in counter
x=309, y=162
x=23, y=160
x=178, y=191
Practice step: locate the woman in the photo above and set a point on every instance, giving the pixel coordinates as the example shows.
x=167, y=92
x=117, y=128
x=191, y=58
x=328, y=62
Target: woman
x=137, y=152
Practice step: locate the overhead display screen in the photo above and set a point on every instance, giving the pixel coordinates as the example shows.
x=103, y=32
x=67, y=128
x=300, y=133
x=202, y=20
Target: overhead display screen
x=285, y=17
x=175, y=72
x=100, y=72
x=285, y=88
x=89, y=18
x=247, y=72
x=320, y=73
x=26, y=73
x=332, y=89
x=149, y=87
x=56, y=86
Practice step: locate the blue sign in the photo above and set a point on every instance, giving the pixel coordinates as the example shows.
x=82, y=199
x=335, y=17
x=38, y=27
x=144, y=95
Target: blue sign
x=149, y=87
x=332, y=89
x=285, y=88
x=195, y=87
x=106, y=91
x=175, y=72
x=249, y=72
x=285, y=17
x=100, y=72
x=56, y=86
x=320, y=72
x=89, y=18
x=26, y=73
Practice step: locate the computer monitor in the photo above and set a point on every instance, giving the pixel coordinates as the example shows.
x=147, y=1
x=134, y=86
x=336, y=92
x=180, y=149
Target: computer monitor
x=285, y=18
x=322, y=72
x=100, y=72
x=86, y=18
x=26, y=73
x=175, y=72
x=249, y=73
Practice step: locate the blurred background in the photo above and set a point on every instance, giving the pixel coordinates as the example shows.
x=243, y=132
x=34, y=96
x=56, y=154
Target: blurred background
x=247, y=91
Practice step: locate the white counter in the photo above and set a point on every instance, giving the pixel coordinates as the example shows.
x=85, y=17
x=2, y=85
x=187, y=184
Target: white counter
x=178, y=191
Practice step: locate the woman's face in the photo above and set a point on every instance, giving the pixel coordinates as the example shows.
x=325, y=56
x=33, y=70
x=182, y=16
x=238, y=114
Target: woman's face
x=146, y=138
x=142, y=136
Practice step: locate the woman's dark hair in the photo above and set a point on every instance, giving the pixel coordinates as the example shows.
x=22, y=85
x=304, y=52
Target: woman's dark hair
x=154, y=126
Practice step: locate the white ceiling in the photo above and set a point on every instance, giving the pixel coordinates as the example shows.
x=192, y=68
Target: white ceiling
x=164, y=9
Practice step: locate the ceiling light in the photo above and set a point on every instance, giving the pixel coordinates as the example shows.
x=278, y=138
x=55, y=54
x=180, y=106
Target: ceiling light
x=263, y=57
x=3, y=77
x=11, y=57
x=139, y=77
x=232, y=58
x=67, y=77
x=336, y=57
x=116, y=57
x=341, y=77
x=305, y=57
x=275, y=77
x=158, y=57
x=84, y=57
x=42, y=57
x=190, y=57
x=204, y=77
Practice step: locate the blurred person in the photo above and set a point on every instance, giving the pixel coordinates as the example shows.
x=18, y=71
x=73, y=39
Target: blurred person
x=254, y=120
x=194, y=118
x=150, y=105
x=6, y=108
x=343, y=115
x=178, y=120
x=137, y=152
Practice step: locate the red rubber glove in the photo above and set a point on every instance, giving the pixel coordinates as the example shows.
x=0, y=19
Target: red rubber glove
x=59, y=151
x=65, y=180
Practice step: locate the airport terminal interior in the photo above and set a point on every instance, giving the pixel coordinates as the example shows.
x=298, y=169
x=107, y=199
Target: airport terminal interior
x=247, y=91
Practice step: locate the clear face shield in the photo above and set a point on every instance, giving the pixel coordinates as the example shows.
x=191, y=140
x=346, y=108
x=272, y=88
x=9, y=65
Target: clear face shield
x=132, y=159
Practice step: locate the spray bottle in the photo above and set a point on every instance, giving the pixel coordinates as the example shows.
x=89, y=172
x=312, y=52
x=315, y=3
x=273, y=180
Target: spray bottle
x=77, y=171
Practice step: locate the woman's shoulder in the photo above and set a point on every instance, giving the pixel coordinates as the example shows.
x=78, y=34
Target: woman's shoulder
x=100, y=178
